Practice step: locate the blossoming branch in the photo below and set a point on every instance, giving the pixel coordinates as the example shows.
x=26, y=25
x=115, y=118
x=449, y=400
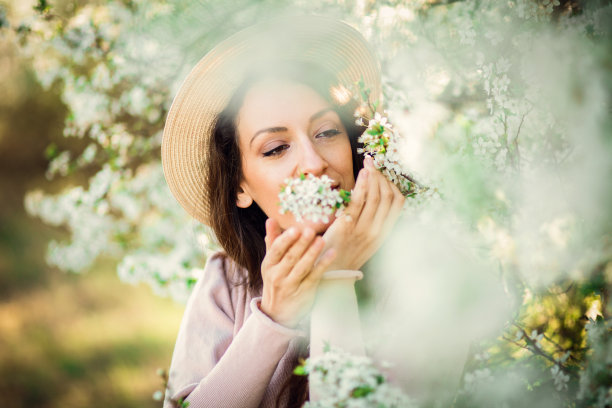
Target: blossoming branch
x=382, y=142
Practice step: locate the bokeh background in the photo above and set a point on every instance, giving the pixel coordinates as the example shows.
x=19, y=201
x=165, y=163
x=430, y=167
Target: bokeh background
x=66, y=339
x=506, y=109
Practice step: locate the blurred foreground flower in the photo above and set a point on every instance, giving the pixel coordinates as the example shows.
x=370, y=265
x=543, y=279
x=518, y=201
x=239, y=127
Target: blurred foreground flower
x=345, y=380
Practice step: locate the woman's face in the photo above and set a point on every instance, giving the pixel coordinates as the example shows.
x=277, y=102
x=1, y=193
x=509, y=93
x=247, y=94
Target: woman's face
x=284, y=129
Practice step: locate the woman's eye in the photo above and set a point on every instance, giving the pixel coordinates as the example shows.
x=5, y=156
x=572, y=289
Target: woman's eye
x=328, y=133
x=277, y=150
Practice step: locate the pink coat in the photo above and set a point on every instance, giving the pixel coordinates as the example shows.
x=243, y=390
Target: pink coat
x=228, y=352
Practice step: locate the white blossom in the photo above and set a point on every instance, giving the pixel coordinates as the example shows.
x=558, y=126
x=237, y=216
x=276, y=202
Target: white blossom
x=345, y=380
x=382, y=142
x=560, y=378
x=311, y=198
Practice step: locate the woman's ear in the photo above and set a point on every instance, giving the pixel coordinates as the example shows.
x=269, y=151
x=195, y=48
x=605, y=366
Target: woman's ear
x=243, y=199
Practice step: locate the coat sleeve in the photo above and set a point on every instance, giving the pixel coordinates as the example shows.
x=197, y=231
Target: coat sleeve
x=210, y=366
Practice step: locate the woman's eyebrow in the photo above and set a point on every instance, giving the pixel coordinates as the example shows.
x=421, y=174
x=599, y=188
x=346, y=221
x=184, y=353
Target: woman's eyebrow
x=267, y=130
x=319, y=114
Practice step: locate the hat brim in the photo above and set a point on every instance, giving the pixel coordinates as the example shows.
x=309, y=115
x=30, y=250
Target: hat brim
x=207, y=89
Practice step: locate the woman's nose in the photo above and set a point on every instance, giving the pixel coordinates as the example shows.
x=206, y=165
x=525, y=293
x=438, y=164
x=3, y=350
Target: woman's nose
x=311, y=161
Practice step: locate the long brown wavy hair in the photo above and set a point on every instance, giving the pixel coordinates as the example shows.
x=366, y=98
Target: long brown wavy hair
x=241, y=231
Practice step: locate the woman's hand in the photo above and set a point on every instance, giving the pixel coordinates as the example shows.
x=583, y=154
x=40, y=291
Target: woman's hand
x=290, y=276
x=357, y=234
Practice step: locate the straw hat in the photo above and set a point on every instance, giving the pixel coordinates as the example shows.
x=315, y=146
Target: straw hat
x=207, y=89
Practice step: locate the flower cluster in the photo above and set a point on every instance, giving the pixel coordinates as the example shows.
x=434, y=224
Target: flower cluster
x=382, y=142
x=312, y=198
x=345, y=380
x=116, y=107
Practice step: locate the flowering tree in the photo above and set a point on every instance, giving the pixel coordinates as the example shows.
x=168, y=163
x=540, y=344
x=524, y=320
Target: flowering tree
x=504, y=109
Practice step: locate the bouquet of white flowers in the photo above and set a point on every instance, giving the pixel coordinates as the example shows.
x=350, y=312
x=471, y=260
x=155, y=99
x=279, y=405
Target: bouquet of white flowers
x=312, y=198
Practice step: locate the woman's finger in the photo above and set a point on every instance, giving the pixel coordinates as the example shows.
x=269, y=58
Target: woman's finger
x=358, y=197
x=373, y=195
x=296, y=251
x=319, y=268
x=384, y=205
x=306, y=263
x=273, y=230
x=395, y=210
x=281, y=244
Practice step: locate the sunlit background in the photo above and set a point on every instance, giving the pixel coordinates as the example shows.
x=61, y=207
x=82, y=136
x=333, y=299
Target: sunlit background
x=505, y=112
x=66, y=339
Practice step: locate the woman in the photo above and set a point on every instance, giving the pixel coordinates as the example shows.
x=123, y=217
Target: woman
x=256, y=110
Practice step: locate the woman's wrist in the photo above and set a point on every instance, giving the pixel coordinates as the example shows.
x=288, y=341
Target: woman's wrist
x=286, y=321
x=266, y=320
x=352, y=264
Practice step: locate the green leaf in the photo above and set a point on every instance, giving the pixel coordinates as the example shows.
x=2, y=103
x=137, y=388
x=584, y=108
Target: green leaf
x=51, y=151
x=23, y=29
x=190, y=282
x=362, y=391
x=42, y=6
x=363, y=91
x=300, y=370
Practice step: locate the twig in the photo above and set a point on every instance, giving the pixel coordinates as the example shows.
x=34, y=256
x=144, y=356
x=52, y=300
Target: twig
x=515, y=141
